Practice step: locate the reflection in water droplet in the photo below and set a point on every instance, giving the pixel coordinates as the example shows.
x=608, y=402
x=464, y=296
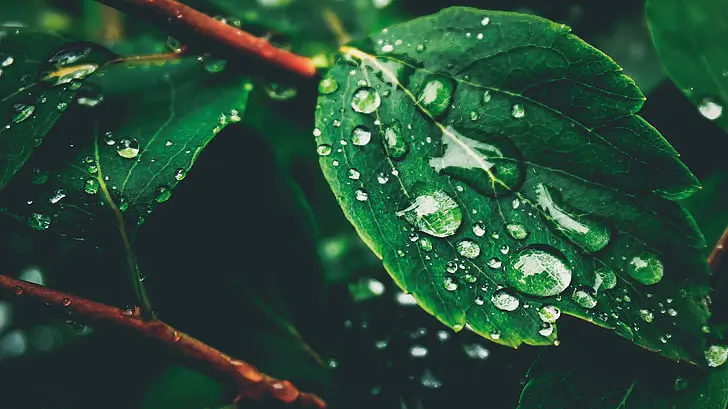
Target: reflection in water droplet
x=425, y=244
x=604, y=278
x=436, y=95
x=468, y=248
x=710, y=109
x=647, y=315
x=328, y=85
x=495, y=263
x=361, y=195
x=91, y=186
x=646, y=268
x=549, y=313
x=366, y=100
x=517, y=231
x=324, y=150
x=479, y=229
x=451, y=283
x=716, y=355
x=538, y=272
x=394, y=142
x=586, y=232
x=433, y=212
x=162, y=194
x=361, y=135
x=518, y=111
x=21, y=112
x=504, y=301
x=546, y=329
x=128, y=148
x=180, y=174
x=583, y=297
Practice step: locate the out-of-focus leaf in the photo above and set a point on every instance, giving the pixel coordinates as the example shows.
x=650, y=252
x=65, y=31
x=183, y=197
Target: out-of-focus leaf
x=182, y=388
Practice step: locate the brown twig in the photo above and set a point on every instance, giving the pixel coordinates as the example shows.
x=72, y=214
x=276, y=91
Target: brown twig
x=171, y=13
x=717, y=254
x=249, y=382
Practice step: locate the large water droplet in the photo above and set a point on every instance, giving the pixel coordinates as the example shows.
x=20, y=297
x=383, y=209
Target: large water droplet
x=586, y=232
x=716, y=355
x=468, y=248
x=451, y=283
x=710, y=109
x=324, y=150
x=538, y=271
x=361, y=135
x=517, y=231
x=491, y=165
x=394, y=142
x=361, y=195
x=128, y=148
x=504, y=301
x=433, y=212
x=366, y=100
x=436, y=95
x=328, y=85
x=21, y=112
x=584, y=297
x=646, y=268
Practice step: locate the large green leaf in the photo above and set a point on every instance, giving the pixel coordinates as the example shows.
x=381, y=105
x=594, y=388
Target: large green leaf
x=495, y=162
x=688, y=36
x=39, y=76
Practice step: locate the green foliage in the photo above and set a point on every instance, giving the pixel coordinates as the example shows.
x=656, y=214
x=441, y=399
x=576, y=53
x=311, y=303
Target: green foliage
x=540, y=178
x=687, y=35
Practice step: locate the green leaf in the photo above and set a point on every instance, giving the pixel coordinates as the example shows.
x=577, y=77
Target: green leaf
x=575, y=379
x=182, y=388
x=114, y=161
x=476, y=150
x=688, y=37
x=39, y=76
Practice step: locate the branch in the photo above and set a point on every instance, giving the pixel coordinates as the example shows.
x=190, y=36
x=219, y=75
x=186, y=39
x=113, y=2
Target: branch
x=175, y=16
x=717, y=254
x=249, y=382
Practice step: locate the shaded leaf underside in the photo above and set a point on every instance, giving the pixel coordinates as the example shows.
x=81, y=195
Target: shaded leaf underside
x=449, y=130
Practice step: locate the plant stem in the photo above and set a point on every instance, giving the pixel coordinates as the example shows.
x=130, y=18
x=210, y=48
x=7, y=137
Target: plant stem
x=248, y=381
x=174, y=16
x=717, y=254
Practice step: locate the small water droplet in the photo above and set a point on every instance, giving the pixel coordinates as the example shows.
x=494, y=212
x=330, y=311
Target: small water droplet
x=468, y=248
x=361, y=135
x=604, y=278
x=505, y=301
x=128, y=148
x=485, y=21
x=451, y=283
x=451, y=267
x=180, y=174
x=549, y=313
x=366, y=100
x=354, y=174
x=433, y=212
x=647, y=315
x=214, y=65
x=495, y=263
x=710, y=109
x=394, y=142
x=21, y=112
x=382, y=178
x=328, y=86
x=6, y=60
x=479, y=229
x=474, y=116
x=58, y=195
x=518, y=111
x=39, y=221
x=583, y=296
x=436, y=95
x=537, y=271
x=324, y=150
x=487, y=96
x=546, y=329
x=646, y=268
x=162, y=194
x=425, y=244
x=361, y=195
x=91, y=186
x=517, y=231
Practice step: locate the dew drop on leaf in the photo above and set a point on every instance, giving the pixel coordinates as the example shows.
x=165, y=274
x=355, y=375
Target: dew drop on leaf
x=583, y=297
x=537, y=271
x=382, y=178
x=425, y=244
x=6, y=60
x=710, y=109
x=361, y=135
x=604, y=278
x=495, y=263
x=58, y=195
x=366, y=100
x=518, y=111
x=451, y=267
x=394, y=143
x=468, y=248
x=328, y=86
x=451, y=283
x=479, y=229
x=485, y=21
x=91, y=186
x=645, y=268
x=517, y=231
x=504, y=301
x=487, y=96
x=354, y=174
x=549, y=313
x=21, y=112
x=162, y=194
x=324, y=150
x=180, y=174
x=361, y=195
x=128, y=148
x=647, y=315
x=587, y=233
x=433, y=212
x=546, y=329
x=436, y=95
x=39, y=221
x=716, y=355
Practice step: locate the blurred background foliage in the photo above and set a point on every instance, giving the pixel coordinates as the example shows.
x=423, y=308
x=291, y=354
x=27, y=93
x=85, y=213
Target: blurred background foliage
x=254, y=257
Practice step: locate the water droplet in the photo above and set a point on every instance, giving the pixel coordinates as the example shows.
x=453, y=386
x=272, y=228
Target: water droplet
x=361, y=135
x=485, y=21
x=479, y=300
x=39, y=221
x=6, y=60
x=479, y=229
x=436, y=95
x=180, y=174
x=162, y=194
x=681, y=383
x=583, y=296
x=429, y=380
x=710, y=109
x=174, y=45
x=504, y=301
x=468, y=248
x=518, y=111
x=328, y=85
x=475, y=351
x=214, y=65
x=716, y=355
x=451, y=267
x=549, y=313
x=62, y=106
x=21, y=112
x=586, y=232
x=487, y=96
x=604, y=278
x=474, y=116
x=58, y=195
x=324, y=150
x=433, y=212
x=418, y=351
x=646, y=268
x=382, y=178
x=504, y=249
x=451, y=283
x=495, y=263
x=91, y=186
x=394, y=142
x=536, y=271
x=128, y=148
x=517, y=231
x=366, y=100
x=354, y=174
x=647, y=315
x=546, y=329
x=425, y=244
x=66, y=302
x=280, y=92
x=361, y=195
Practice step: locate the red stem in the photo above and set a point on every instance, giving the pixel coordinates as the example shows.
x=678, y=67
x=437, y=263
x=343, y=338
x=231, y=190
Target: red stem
x=717, y=254
x=204, y=26
x=249, y=382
